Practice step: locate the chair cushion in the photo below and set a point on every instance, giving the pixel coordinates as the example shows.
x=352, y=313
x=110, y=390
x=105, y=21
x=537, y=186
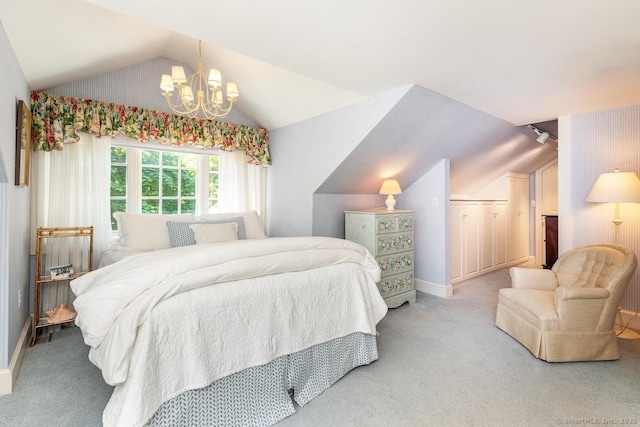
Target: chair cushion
x=535, y=306
x=589, y=267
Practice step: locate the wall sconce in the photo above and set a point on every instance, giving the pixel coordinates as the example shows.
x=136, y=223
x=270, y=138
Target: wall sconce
x=616, y=187
x=390, y=187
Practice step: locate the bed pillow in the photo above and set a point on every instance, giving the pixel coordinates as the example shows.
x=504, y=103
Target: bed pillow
x=215, y=233
x=253, y=224
x=145, y=232
x=181, y=235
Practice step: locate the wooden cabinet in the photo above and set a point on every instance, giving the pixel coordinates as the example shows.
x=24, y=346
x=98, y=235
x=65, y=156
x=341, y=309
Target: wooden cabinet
x=388, y=235
x=62, y=254
x=478, y=237
x=550, y=224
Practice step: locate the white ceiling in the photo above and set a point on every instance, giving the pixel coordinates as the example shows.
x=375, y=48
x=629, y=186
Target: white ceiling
x=520, y=61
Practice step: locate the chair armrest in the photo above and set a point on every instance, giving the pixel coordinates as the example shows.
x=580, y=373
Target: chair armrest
x=580, y=309
x=533, y=278
x=567, y=293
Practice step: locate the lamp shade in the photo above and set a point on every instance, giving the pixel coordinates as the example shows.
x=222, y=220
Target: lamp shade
x=215, y=78
x=616, y=187
x=166, y=84
x=232, y=90
x=178, y=75
x=390, y=186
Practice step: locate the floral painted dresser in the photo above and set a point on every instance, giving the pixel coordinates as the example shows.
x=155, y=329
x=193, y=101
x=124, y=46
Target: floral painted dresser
x=388, y=235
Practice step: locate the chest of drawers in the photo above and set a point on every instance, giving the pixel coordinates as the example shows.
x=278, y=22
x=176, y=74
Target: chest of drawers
x=388, y=235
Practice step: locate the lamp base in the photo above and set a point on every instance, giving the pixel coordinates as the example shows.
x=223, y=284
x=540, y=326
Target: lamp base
x=390, y=202
x=626, y=333
x=622, y=331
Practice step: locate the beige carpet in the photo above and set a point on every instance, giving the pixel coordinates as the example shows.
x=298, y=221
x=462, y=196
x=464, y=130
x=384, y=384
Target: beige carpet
x=442, y=363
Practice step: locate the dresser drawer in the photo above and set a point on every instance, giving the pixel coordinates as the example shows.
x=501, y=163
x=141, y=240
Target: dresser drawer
x=395, y=263
x=386, y=224
x=405, y=222
x=393, y=243
x=396, y=284
x=394, y=223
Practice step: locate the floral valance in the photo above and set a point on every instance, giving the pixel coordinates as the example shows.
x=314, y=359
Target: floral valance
x=57, y=121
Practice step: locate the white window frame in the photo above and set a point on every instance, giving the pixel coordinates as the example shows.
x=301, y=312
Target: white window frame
x=134, y=173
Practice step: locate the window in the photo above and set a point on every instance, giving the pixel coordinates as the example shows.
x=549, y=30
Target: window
x=158, y=181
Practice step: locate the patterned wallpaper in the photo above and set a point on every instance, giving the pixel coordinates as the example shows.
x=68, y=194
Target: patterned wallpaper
x=600, y=142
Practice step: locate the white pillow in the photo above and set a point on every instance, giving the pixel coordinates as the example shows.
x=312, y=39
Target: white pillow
x=215, y=233
x=252, y=223
x=145, y=232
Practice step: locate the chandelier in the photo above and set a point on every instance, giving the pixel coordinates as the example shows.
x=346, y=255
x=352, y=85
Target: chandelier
x=208, y=90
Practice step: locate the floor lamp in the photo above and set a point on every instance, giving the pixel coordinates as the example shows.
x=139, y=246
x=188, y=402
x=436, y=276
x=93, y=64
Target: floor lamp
x=617, y=187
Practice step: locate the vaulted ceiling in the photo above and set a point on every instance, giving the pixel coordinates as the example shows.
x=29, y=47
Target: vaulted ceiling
x=520, y=62
x=424, y=127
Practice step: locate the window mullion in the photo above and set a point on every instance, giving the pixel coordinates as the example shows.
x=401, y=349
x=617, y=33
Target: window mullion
x=134, y=180
x=202, y=185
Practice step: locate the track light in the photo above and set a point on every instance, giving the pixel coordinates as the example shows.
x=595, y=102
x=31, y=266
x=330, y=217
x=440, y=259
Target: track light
x=542, y=135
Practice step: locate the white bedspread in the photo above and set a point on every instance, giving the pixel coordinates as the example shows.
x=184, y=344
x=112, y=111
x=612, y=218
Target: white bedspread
x=271, y=297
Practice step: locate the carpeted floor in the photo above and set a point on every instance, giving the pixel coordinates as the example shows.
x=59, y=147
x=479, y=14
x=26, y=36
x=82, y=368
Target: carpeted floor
x=442, y=363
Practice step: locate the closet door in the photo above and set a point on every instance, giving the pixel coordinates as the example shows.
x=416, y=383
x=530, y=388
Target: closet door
x=471, y=225
x=518, y=219
x=456, y=211
x=523, y=219
x=500, y=234
x=487, y=236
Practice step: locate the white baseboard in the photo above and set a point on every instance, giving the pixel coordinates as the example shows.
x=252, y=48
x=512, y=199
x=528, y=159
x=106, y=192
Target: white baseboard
x=9, y=376
x=442, y=291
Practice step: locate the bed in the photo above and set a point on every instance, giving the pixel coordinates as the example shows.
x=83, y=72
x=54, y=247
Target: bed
x=231, y=332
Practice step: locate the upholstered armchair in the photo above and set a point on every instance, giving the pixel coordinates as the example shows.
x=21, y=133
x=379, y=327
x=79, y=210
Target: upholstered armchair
x=568, y=313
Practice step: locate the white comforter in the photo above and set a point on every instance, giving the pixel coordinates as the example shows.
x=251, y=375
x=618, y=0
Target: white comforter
x=271, y=297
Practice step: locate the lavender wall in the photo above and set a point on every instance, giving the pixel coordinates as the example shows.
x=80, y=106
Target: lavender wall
x=306, y=153
x=429, y=197
x=15, y=203
x=591, y=144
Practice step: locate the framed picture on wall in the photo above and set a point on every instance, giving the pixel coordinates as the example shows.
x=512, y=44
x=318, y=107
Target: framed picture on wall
x=23, y=144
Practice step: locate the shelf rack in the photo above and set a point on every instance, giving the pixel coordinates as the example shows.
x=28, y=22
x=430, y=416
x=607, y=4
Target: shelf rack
x=79, y=246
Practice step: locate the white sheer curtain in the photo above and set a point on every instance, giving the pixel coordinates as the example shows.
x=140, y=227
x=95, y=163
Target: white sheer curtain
x=70, y=189
x=242, y=185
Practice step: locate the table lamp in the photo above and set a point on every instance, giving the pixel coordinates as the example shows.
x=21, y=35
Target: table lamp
x=390, y=187
x=616, y=187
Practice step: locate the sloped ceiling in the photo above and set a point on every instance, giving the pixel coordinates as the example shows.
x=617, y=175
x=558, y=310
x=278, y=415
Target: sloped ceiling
x=293, y=60
x=425, y=127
